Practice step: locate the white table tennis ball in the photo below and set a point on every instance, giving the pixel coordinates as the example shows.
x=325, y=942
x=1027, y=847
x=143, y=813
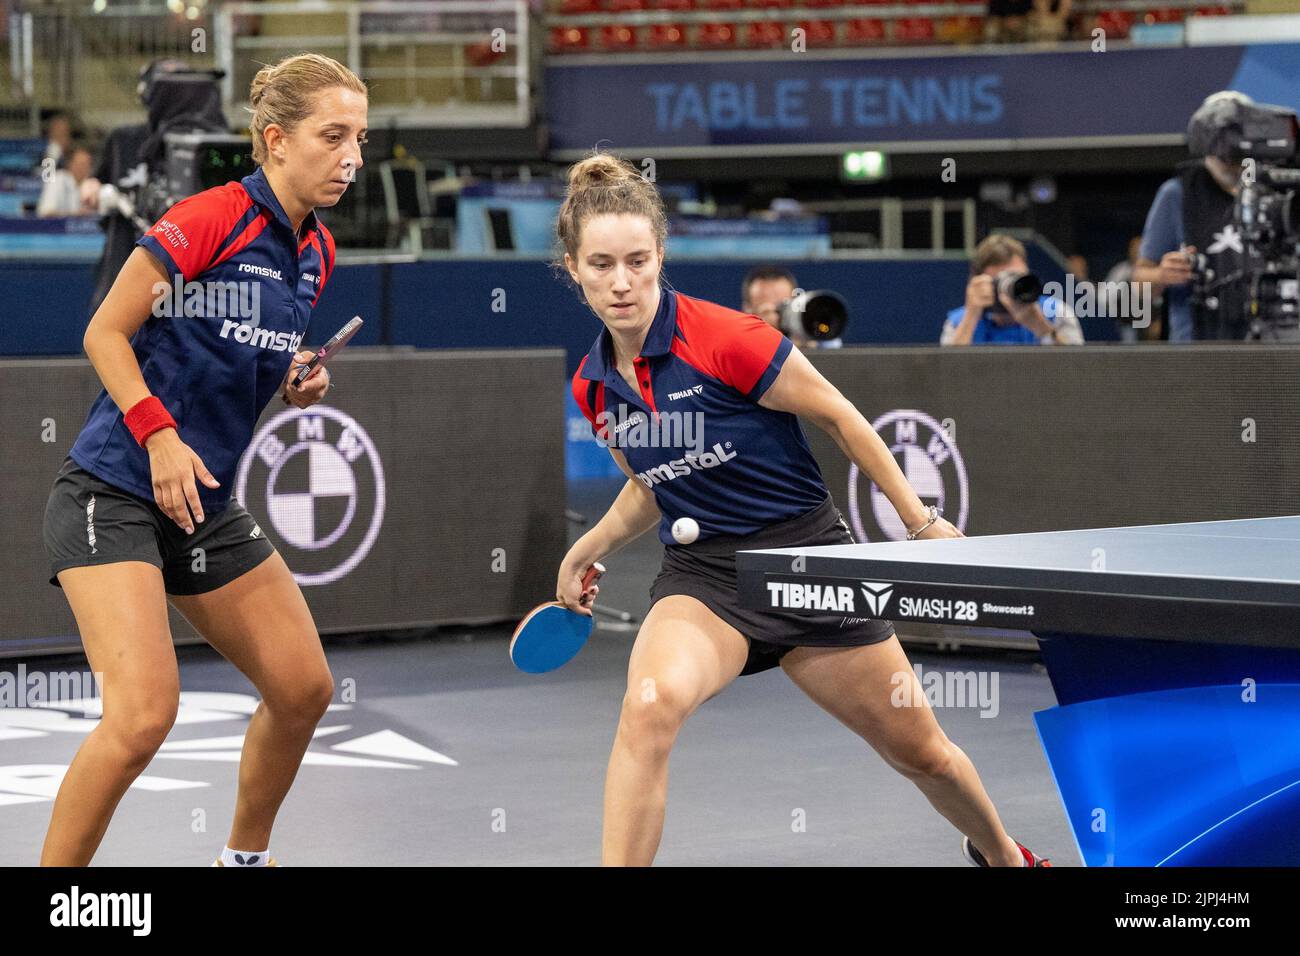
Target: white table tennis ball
x=685, y=530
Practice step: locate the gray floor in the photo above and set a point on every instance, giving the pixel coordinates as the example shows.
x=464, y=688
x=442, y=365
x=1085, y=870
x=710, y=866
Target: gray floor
x=529, y=758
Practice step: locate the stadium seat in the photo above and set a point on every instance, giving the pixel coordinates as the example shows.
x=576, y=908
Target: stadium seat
x=819, y=32
x=763, y=4
x=624, y=6
x=723, y=4
x=672, y=4
x=1213, y=12
x=569, y=39
x=1116, y=23
x=716, y=34
x=913, y=29
x=481, y=54
x=667, y=36
x=765, y=33
x=824, y=3
x=863, y=30
x=579, y=6
x=1163, y=15
x=617, y=37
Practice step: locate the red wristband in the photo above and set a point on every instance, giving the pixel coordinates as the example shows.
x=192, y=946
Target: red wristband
x=146, y=417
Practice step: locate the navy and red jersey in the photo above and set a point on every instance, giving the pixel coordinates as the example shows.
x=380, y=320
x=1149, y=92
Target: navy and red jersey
x=221, y=338
x=693, y=431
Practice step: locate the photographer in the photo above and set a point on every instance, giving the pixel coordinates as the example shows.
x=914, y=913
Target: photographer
x=1193, y=212
x=62, y=194
x=1005, y=305
x=763, y=293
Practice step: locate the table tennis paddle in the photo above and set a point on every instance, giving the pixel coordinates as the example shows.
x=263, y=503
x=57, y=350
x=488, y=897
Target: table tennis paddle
x=329, y=349
x=550, y=635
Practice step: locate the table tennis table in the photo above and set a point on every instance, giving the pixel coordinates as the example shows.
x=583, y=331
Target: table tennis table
x=1173, y=650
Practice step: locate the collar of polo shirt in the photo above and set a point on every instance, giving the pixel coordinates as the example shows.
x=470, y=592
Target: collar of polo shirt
x=659, y=340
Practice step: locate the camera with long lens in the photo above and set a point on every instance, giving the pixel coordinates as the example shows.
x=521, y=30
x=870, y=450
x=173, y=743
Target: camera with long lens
x=1266, y=215
x=1022, y=288
x=820, y=315
x=1260, y=297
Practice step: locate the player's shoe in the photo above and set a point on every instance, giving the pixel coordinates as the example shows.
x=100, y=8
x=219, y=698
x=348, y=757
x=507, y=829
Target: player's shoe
x=976, y=858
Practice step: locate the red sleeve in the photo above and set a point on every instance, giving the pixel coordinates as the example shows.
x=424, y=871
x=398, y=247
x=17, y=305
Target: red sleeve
x=582, y=394
x=188, y=236
x=739, y=350
x=327, y=258
x=324, y=242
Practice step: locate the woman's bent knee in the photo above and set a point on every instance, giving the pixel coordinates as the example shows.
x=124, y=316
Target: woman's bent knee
x=305, y=699
x=140, y=731
x=652, y=715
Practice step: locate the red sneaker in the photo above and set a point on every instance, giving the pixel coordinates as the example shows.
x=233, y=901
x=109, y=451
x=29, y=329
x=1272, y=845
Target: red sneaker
x=976, y=858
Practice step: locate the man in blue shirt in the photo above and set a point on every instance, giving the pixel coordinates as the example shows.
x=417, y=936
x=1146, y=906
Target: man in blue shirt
x=1047, y=321
x=1193, y=212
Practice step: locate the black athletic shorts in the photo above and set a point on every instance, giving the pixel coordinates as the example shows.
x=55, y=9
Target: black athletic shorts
x=706, y=571
x=88, y=521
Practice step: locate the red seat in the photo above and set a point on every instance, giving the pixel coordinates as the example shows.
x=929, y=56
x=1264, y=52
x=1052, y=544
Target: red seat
x=579, y=6
x=1116, y=23
x=716, y=34
x=672, y=4
x=862, y=30
x=616, y=36
x=623, y=6
x=1166, y=15
x=829, y=3
x=913, y=29
x=667, y=35
x=482, y=54
x=771, y=3
x=569, y=39
x=819, y=32
x=1213, y=12
x=723, y=4
x=765, y=33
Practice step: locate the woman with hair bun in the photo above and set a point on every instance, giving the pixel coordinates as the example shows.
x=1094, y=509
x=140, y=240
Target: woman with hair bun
x=750, y=483
x=141, y=512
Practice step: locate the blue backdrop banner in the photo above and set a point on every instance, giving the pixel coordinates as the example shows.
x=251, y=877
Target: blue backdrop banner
x=1119, y=96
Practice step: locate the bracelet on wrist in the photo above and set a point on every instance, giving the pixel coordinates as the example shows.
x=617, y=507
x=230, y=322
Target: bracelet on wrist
x=934, y=516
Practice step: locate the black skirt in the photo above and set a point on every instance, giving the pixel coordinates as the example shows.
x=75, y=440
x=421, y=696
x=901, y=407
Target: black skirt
x=706, y=571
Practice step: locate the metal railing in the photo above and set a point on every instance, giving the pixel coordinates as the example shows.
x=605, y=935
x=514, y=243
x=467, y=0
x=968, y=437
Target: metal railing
x=450, y=63
x=886, y=233
x=430, y=63
x=78, y=59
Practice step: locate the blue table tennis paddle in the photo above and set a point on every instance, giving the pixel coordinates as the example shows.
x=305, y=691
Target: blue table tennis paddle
x=551, y=635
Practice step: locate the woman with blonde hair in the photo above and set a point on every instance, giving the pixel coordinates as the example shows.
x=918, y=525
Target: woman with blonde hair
x=141, y=512
x=751, y=482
